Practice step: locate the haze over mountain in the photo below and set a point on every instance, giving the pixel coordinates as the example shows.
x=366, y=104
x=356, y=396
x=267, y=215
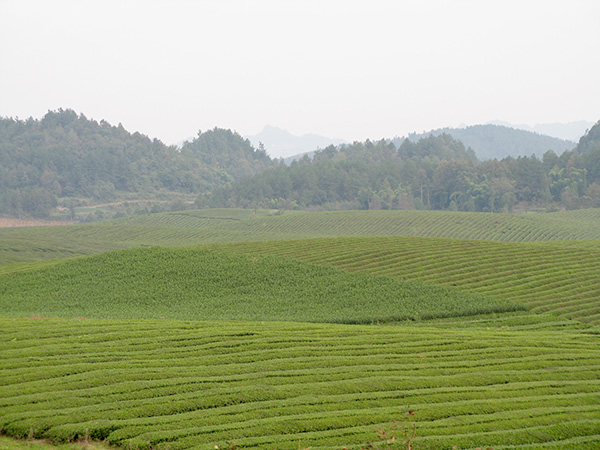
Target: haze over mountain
x=497, y=141
x=490, y=141
x=280, y=143
x=435, y=172
x=571, y=131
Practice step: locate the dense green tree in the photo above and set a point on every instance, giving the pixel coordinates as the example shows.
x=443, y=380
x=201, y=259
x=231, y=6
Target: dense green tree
x=436, y=172
x=66, y=155
x=590, y=140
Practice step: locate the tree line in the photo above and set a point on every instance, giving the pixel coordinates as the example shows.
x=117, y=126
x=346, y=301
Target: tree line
x=66, y=155
x=436, y=172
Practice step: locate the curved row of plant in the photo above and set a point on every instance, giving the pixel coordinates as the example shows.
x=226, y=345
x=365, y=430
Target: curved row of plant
x=194, y=385
x=501, y=227
x=546, y=277
x=199, y=284
x=223, y=225
x=485, y=226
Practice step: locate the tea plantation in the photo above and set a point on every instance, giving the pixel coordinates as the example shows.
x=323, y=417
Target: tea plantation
x=235, y=225
x=190, y=283
x=194, y=385
x=248, y=329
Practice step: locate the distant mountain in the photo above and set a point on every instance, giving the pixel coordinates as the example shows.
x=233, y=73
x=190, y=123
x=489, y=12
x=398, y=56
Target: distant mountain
x=571, y=131
x=281, y=143
x=434, y=172
x=497, y=141
x=290, y=159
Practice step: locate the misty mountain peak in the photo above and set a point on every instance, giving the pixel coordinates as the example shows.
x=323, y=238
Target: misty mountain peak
x=280, y=143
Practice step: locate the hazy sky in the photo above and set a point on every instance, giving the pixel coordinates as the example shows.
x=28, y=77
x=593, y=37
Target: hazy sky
x=347, y=69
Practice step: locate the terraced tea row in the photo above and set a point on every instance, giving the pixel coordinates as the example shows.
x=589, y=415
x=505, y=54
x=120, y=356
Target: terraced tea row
x=546, y=277
x=7, y=443
x=500, y=227
x=25, y=245
x=222, y=225
x=204, y=218
x=199, y=284
x=194, y=385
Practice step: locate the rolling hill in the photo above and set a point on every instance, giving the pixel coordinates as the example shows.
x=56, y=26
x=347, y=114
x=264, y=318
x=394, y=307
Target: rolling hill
x=158, y=384
x=231, y=225
x=498, y=141
x=197, y=284
x=196, y=330
x=544, y=277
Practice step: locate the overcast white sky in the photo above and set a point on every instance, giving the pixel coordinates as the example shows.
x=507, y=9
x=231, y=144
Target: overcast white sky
x=341, y=68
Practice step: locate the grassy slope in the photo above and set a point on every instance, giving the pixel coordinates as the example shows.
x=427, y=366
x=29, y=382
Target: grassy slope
x=191, y=283
x=169, y=229
x=268, y=385
x=499, y=227
x=546, y=277
x=219, y=225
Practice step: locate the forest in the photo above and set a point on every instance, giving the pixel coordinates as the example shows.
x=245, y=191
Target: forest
x=436, y=173
x=65, y=158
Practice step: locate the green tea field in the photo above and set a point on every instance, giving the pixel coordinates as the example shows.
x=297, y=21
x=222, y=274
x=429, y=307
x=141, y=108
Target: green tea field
x=235, y=225
x=252, y=329
x=556, y=276
x=190, y=283
x=194, y=385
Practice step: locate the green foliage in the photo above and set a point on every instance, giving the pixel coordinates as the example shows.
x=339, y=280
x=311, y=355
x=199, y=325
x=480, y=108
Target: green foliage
x=435, y=172
x=358, y=176
x=199, y=284
x=183, y=385
x=67, y=155
x=545, y=277
x=229, y=225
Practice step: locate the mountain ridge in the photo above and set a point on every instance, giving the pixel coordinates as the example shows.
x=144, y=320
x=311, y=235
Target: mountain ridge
x=570, y=131
x=280, y=143
x=491, y=141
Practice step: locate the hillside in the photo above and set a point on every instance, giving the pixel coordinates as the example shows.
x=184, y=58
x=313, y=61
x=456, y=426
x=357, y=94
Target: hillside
x=68, y=160
x=91, y=348
x=544, y=277
x=159, y=384
x=197, y=284
x=555, y=276
x=497, y=141
x=69, y=167
x=20, y=245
